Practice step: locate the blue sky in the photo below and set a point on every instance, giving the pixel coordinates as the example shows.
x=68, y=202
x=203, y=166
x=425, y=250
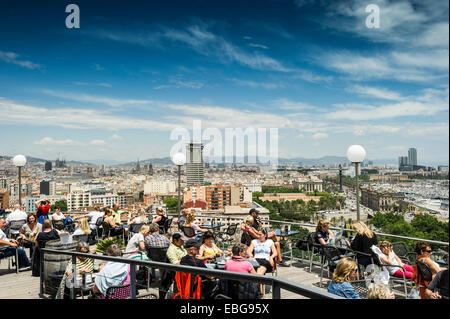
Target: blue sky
x=135, y=70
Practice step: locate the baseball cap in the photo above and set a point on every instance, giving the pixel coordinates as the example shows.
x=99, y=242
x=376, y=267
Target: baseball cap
x=192, y=243
x=253, y=211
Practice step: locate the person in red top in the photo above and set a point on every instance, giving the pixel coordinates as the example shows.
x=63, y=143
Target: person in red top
x=43, y=207
x=237, y=262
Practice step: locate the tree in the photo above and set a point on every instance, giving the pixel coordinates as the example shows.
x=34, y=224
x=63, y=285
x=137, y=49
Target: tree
x=171, y=203
x=62, y=205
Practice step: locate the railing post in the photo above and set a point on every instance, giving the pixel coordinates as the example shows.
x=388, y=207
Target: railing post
x=74, y=276
x=276, y=293
x=133, y=280
x=41, y=268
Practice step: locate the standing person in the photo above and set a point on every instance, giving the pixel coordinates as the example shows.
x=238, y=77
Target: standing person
x=43, y=208
x=346, y=270
x=9, y=246
x=363, y=241
x=16, y=215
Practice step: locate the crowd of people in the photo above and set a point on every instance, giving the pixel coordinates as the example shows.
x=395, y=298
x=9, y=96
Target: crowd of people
x=257, y=252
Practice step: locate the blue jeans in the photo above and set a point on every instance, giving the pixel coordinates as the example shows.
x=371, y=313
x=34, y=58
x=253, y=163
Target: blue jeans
x=23, y=259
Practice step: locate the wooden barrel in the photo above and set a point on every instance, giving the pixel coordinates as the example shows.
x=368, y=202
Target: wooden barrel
x=54, y=263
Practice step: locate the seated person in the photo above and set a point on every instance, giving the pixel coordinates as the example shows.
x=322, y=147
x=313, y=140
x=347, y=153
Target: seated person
x=380, y=291
x=83, y=228
x=190, y=222
x=9, y=246
x=438, y=287
x=237, y=262
x=264, y=253
x=93, y=216
x=193, y=247
x=346, y=270
x=137, y=242
x=58, y=215
x=390, y=258
x=115, y=227
x=323, y=236
x=47, y=234
x=176, y=251
x=112, y=273
x=363, y=241
x=182, y=218
x=155, y=239
x=160, y=217
x=423, y=254
x=139, y=218
x=248, y=232
x=16, y=215
x=209, y=250
x=257, y=224
x=29, y=232
x=84, y=265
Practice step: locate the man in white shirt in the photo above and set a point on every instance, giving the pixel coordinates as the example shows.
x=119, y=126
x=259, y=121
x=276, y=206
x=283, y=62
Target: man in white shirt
x=93, y=216
x=8, y=248
x=17, y=214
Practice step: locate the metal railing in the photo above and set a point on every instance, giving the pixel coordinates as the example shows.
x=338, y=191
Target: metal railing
x=306, y=225
x=276, y=283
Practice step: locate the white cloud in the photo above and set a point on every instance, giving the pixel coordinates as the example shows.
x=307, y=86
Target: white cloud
x=97, y=142
x=380, y=93
x=259, y=46
x=11, y=57
x=50, y=141
x=81, y=97
x=116, y=137
x=318, y=136
x=107, y=85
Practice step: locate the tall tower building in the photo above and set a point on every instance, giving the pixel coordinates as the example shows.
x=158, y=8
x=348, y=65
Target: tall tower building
x=402, y=161
x=48, y=166
x=412, y=156
x=194, y=164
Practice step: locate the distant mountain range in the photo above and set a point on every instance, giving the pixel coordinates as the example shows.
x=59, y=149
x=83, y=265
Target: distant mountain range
x=325, y=160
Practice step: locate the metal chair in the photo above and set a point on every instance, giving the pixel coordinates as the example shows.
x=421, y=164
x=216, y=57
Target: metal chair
x=313, y=249
x=10, y=260
x=401, y=250
x=164, y=229
x=81, y=238
x=15, y=226
x=228, y=234
x=58, y=224
x=188, y=231
x=118, y=292
x=98, y=226
x=331, y=255
x=134, y=229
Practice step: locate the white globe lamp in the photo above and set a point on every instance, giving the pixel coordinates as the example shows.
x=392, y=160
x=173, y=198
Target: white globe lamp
x=20, y=161
x=356, y=154
x=179, y=159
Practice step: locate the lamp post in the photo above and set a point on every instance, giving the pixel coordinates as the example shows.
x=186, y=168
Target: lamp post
x=179, y=159
x=20, y=161
x=356, y=155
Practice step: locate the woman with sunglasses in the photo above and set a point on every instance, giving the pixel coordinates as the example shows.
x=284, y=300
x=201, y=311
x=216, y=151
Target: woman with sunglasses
x=209, y=250
x=423, y=254
x=346, y=270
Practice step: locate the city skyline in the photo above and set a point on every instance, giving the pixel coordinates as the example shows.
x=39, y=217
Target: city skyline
x=117, y=87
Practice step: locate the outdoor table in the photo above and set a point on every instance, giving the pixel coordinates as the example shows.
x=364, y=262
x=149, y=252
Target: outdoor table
x=212, y=226
x=282, y=233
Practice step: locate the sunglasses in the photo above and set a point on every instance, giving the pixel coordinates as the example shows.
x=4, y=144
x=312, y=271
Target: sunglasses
x=428, y=251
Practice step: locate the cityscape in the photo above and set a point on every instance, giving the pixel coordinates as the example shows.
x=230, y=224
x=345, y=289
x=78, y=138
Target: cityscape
x=296, y=138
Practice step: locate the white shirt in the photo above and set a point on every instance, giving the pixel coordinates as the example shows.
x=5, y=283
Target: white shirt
x=262, y=250
x=94, y=216
x=16, y=215
x=4, y=238
x=58, y=217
